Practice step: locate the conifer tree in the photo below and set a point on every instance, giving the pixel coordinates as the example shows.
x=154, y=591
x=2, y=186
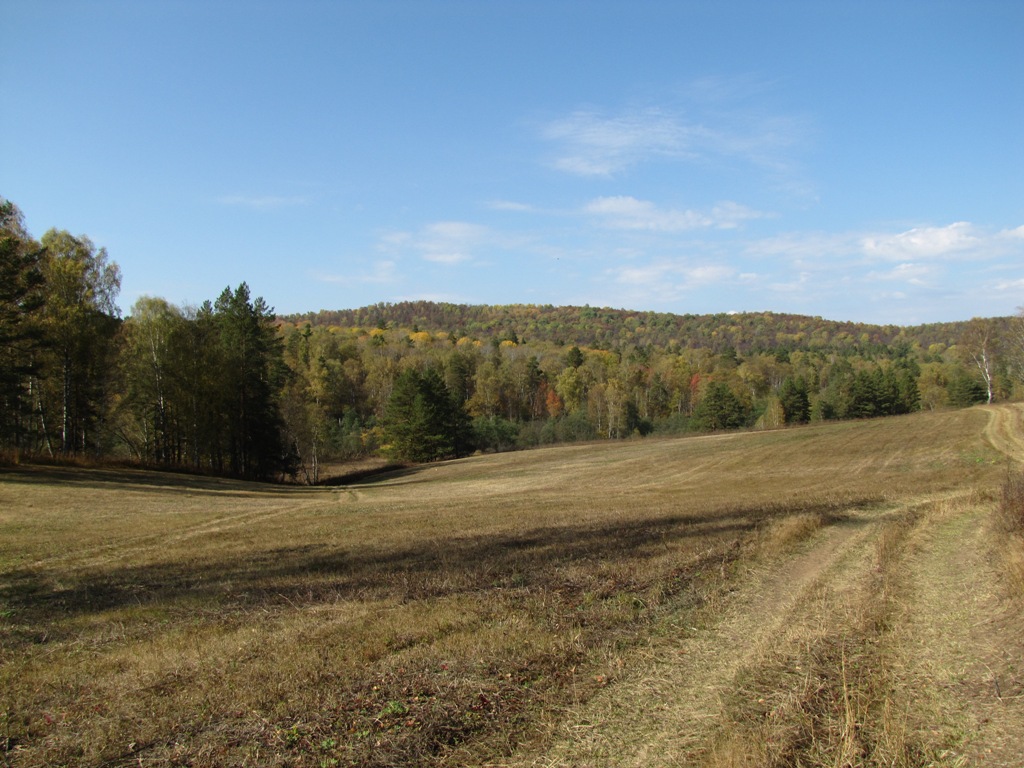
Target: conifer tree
x=21, y=299
x=250, y=378
x=422, y=421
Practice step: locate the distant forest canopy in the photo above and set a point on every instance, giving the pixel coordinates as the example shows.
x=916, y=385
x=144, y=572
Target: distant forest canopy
x=604, y=328
x=230, y=388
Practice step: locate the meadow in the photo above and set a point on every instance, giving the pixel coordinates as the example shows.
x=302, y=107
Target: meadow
x=807, y=596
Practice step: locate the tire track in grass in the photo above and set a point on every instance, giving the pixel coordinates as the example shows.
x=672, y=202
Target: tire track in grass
x=669, y=711
x=960, y=639
x=132, y=546
x=1005, y=429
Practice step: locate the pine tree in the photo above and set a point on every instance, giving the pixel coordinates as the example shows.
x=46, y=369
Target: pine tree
x=250, y=378
x=423, y=421
x=719, y=408
x=795, y=402
x=21, y=299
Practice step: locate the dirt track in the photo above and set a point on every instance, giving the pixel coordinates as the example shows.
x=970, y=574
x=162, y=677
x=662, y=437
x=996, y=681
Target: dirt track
x=913, y=599
x=1005, y=430
x=670, y=712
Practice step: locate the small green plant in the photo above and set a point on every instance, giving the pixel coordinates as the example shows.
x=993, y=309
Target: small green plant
x=291, y=736
x=394, y=709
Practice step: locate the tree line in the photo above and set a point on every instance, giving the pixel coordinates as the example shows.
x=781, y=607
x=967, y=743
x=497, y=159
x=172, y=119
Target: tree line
x=229, y=388
x=195, y=388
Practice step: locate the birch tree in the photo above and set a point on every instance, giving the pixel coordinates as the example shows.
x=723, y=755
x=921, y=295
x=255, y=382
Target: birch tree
x=80, y=320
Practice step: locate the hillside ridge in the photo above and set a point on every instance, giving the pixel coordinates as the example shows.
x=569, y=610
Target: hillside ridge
x=603, y=327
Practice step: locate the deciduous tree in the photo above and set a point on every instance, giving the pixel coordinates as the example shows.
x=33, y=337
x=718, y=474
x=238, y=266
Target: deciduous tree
x=80, y=320
x=978, y=346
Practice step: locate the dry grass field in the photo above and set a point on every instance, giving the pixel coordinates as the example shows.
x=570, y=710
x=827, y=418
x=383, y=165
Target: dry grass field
x=837, y=595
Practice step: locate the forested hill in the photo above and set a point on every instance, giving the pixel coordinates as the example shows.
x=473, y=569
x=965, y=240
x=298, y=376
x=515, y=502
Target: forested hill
x=230, y=388
x=746, y=333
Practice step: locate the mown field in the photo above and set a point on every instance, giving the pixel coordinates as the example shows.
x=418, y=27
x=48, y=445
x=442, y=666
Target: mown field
x=808, y=597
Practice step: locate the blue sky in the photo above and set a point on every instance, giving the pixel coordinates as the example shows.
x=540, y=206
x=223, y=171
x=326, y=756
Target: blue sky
x=854, y=160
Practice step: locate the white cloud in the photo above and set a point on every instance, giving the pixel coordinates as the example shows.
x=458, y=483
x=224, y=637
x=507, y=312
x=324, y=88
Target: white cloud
x=442, y=242
x=626, y=212
x=912, y=273
x=595, y=145
x=960, y=241
x=1010, y=286
x=798, y=284
x=924, y=242
x=592, y=142
x=381, y=272
x=451, y=242
x=729, y=215
x=510, y=205
x=392, y=240
x=455, y=230
x=807, y=250
x=893, y=296
x=910, y=268
x=651, y=274
x=669, y=279
x=261, y=202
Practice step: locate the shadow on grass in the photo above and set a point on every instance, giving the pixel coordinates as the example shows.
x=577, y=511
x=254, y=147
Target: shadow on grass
x=563, y=558
x=373, y=474
x=140, y=479
x=176, y=482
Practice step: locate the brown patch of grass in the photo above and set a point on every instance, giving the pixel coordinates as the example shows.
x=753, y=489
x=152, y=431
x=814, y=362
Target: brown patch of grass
x=785, y=531
x=1012, y=503
x=1014, y=567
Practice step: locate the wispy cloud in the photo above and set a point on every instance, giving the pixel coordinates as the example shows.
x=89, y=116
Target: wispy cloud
x=960, y=241
x=594, y=142
x=924, y=242
x=442, y=242
x=262, y=202
x=904, y=274
x=451, y=242
x=626, y=212
x=382, y=272
x=914, y=274
x=666, y=280
x=1010, y=286
x=510, y=205
x=834, y=274
x=795, y=283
